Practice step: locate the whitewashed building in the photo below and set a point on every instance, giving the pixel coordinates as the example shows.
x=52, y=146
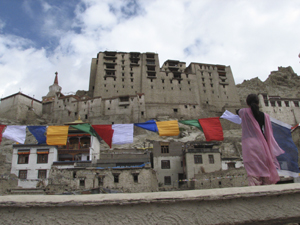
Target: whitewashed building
x=32, y=163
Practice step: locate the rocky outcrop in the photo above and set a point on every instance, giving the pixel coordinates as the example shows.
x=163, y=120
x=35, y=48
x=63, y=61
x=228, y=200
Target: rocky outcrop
x=284, y=83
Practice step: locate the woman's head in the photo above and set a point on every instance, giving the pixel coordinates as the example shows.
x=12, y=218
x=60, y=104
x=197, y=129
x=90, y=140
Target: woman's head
x=253, y=101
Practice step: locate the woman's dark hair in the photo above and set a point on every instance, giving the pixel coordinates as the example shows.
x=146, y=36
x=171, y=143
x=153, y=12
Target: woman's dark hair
x=253, y=101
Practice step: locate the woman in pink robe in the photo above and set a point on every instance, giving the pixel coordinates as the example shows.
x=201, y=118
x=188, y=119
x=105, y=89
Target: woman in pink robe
x=258, y=145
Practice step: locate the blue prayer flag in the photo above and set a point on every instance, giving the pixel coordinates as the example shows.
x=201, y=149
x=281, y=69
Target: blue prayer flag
x=149, y=125
x=39, y=133
x=288, y=160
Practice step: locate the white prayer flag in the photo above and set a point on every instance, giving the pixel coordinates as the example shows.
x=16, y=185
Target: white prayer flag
x=15, y=133
x=123, y=134
x=231, y=117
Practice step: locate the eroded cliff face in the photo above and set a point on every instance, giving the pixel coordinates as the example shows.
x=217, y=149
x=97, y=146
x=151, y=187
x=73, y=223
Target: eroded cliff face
x=283, y=82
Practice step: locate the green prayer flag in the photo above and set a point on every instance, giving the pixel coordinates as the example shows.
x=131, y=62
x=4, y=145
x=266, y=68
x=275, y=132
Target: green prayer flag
x=85, y=127
x=194, y=123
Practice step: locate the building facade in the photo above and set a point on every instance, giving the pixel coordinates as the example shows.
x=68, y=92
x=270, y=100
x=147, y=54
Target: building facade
x=132, y=87
x=32, y=163
x=19, y=106
x=168, y=163
x=201, y=158
x=286, y=110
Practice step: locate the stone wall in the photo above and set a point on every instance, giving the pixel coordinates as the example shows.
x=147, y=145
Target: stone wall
x=270, y=204
x=79, y=179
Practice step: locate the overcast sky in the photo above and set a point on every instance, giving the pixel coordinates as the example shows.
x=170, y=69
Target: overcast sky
x=40, y=37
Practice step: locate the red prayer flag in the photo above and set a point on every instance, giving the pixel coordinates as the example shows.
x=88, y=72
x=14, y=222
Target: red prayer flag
x=212, y=129
x=1, y=129
x=105, y=132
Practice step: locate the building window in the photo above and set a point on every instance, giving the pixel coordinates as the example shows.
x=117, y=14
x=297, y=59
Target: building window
x=279, y=103
x=287, y=104
x=175, y=110
x=42, y=174
x=23, y=156
x=296, y=103
x=165, y=164
x=42, y=156
x=198, y=159
x=23, y=174
x=231, y=165
x=100, y=181
x=266, y=103
x=272, y=103
x=211, y=159
x=82, y=182
x=167, y=180
x=135, y=177
x=164, y=147
x=116, y=177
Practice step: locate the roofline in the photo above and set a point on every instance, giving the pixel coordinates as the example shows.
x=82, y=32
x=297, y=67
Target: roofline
x=20, y=93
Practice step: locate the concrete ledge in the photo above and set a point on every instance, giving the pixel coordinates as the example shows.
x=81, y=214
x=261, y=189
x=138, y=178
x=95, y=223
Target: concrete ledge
x=273, y=204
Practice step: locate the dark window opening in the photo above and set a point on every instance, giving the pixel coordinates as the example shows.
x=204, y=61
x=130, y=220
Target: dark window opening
x=165, y=164
x=82, y=183
x=167, y=180
x=287, y=104
x=164, y=147
x=266, y=103
x=23, y=157
x=100, y=181
x=135, y=177
x=279, y=103
x=124, y=99
x=211, y=159
x=116, y=177
x=175, y=110
x=23, y=174
x=198, y=159
x=42, y=174
x=42, y=158
x=296, y=103
x=272, y=103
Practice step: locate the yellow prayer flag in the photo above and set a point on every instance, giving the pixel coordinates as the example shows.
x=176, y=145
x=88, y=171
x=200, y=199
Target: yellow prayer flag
x=168, y=128
x=57, y=135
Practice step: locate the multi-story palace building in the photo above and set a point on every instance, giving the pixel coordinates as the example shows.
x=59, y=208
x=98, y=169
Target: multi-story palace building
x=132, y=87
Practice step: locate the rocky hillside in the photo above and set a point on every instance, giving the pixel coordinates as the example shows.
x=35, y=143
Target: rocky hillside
x=284, y=82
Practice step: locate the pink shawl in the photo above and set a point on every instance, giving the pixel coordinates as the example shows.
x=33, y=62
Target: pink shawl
x=259, y=154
